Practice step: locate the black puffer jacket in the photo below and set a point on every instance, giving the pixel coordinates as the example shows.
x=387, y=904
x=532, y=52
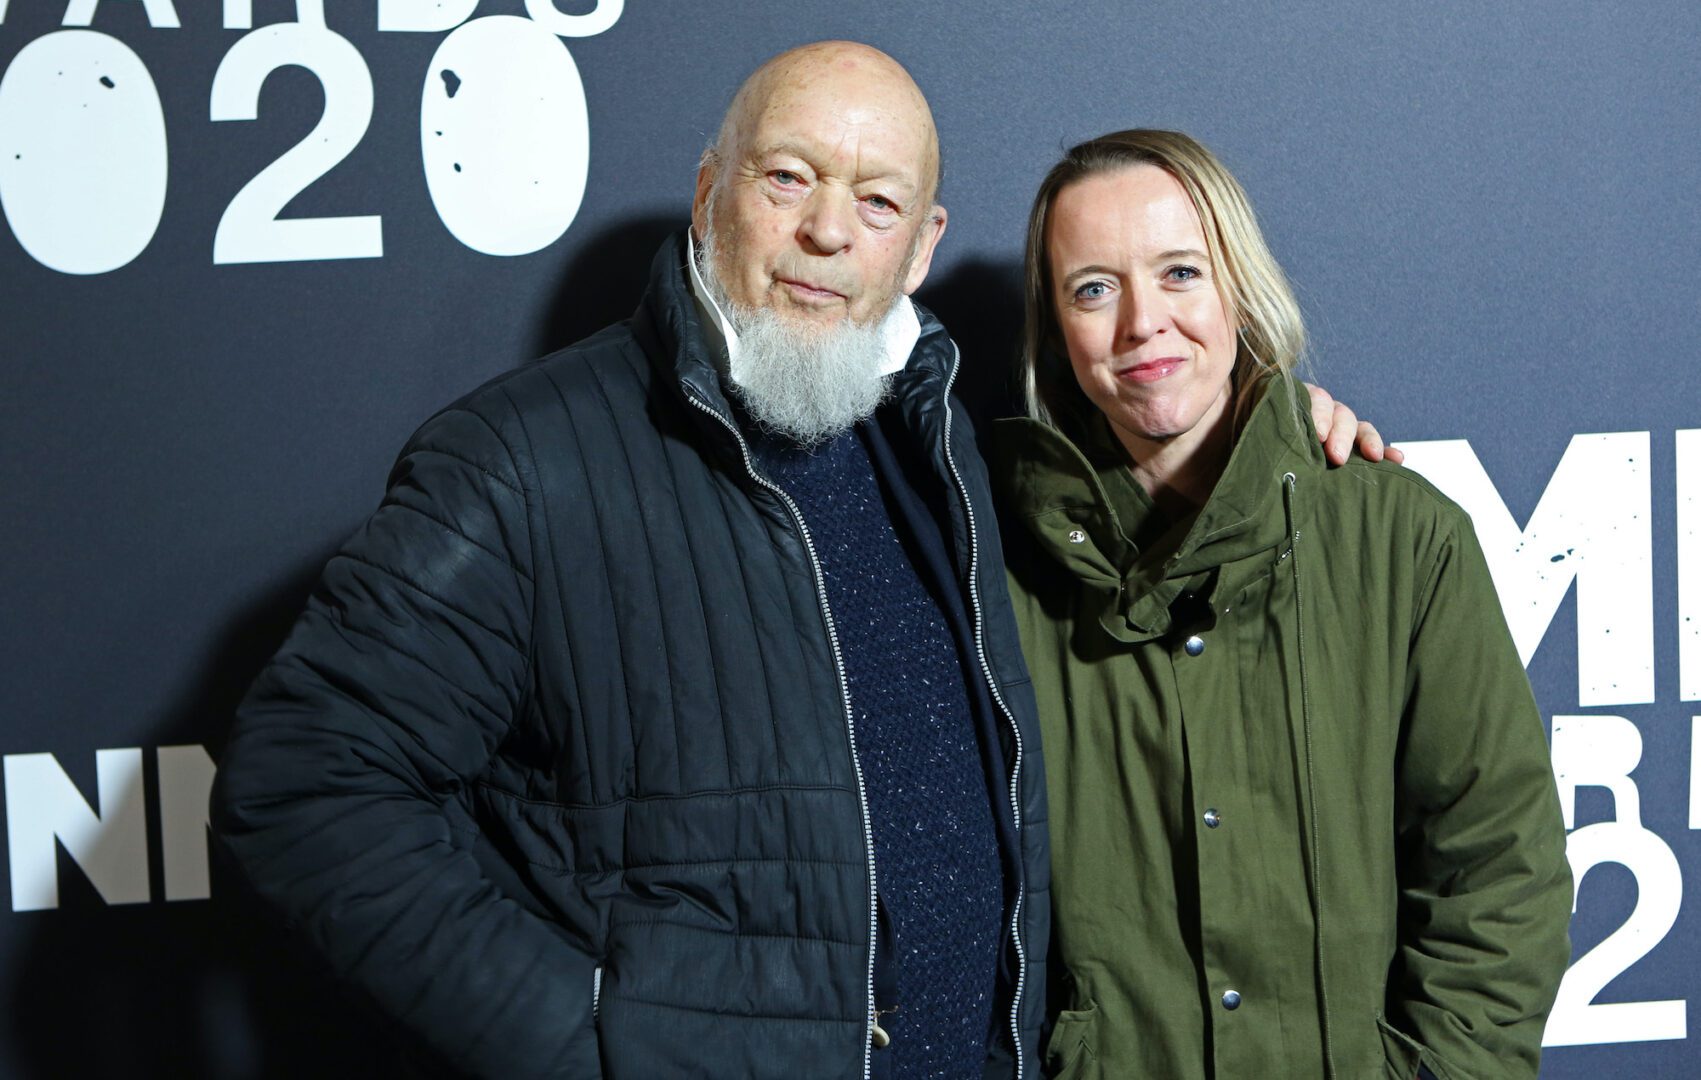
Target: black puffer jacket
x=556, y=766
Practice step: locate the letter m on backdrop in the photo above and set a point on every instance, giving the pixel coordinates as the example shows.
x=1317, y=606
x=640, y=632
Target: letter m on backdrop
x=1592, y=526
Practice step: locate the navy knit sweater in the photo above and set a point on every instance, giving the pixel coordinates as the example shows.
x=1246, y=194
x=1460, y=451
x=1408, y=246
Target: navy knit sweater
x=935, y=842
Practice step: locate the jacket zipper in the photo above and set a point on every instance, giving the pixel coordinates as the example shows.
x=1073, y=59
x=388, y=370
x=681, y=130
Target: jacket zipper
x=850, y=720
x=998, y=699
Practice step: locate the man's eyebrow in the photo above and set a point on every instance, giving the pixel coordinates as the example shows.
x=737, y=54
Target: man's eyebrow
x=792, y=149
x=808, y=154
x=894, y=178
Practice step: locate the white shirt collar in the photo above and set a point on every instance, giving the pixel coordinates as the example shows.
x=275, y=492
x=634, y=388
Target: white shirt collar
x=901, y=330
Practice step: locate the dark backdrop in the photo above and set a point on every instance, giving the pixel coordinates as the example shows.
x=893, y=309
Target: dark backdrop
x=1490, y=212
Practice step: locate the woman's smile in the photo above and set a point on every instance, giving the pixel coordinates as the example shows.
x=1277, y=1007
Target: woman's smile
x=1147, y=371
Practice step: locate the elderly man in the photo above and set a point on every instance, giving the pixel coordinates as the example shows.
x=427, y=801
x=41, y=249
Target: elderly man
x=667, y=718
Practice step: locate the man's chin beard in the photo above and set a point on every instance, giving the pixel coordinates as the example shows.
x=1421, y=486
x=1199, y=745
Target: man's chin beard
x=807, y=382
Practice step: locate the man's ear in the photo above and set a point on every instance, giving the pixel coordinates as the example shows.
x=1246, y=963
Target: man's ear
x=931, y=230
x=700, y=201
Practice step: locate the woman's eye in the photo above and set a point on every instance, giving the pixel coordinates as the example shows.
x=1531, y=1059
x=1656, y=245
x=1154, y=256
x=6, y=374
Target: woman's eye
x=1185, y=273
x=1092, y=290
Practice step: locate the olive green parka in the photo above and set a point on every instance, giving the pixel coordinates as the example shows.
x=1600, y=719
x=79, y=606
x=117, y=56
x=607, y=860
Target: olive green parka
x=1303, y=818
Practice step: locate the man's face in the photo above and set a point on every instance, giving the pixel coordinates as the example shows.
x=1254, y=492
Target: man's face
x=823, y=207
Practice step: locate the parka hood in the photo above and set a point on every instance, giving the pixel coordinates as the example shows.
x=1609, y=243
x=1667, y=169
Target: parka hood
x=1060, y=494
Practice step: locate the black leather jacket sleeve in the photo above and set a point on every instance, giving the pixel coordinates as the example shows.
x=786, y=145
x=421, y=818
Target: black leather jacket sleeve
x=394, y=689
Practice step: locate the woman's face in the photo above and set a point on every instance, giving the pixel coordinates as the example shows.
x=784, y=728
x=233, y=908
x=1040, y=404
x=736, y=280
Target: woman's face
x=1138, y=306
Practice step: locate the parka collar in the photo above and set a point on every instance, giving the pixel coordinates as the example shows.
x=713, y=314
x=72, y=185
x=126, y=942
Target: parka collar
x=1062, y=498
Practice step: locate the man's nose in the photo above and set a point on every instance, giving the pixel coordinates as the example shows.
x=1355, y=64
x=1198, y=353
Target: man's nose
x=828, y=221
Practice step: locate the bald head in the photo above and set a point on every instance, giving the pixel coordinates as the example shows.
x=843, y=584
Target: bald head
x=845, y=75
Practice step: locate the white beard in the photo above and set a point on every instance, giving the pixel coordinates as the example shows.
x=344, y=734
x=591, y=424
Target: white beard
x=806, y=383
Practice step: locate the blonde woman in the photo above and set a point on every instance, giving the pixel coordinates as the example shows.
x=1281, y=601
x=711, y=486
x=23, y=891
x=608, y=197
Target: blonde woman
x=1303, y=821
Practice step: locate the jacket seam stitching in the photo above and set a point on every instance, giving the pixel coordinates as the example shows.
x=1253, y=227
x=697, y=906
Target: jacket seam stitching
x=762, y=658
x=1444, y=546
x=572, y=432
x=709, y=638
x=716, y=863
x=427, y=448
x=649, y=563
x=387, y=720
x=744, y=580
x=801, y=1019
x=433, y=518
x=527, y=676
x=434, y=598
x=739, y=933
x=627, y=799
x=388, y=732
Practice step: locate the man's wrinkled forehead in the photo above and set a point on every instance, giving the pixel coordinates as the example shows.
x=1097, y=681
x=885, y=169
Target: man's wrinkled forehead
x=834, y=99
x=902, y=165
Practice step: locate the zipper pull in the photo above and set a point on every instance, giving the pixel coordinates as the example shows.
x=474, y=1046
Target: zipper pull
x=878, y=1035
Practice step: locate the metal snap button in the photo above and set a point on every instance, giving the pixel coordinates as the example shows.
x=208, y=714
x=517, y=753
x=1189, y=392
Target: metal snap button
x=1077, y=536
x=1231, y=1000
x=1194, y=645
x=1212, y=818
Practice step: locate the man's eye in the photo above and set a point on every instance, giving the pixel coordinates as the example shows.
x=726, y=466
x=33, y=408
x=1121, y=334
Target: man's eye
x=785, y=178
x=881, y=203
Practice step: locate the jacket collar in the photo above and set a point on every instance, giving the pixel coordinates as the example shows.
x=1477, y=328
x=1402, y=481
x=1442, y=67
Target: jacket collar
x=670, y=328
x=1064, y=498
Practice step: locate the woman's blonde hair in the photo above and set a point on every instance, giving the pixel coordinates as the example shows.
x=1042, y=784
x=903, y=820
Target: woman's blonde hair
x=1256, y=295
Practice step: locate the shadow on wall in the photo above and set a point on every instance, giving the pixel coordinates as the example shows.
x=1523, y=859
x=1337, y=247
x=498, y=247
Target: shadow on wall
x=980, y=301
x=603, y=282
x=189, y=988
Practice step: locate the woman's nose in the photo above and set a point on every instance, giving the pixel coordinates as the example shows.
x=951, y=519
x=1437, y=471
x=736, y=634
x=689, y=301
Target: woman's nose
x=1143, y=313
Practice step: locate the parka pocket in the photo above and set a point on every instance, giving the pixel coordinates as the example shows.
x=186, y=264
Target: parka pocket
x=1402, y=1053
x=1069, y=1054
